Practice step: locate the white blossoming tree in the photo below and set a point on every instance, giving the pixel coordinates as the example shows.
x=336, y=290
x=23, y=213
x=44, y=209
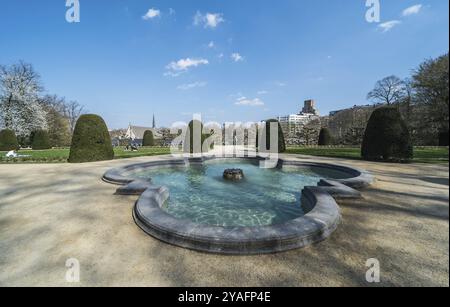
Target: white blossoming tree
x=20, y=110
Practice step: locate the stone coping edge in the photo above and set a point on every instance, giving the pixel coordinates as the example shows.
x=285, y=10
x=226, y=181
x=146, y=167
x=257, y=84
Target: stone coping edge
x=315, y=226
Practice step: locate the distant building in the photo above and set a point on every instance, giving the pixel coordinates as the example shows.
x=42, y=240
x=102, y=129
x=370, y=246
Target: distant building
x=294, y=122
x=136, y=134
x=310, y=108
x=333, y=113
x=296, y=119
x=356, y=107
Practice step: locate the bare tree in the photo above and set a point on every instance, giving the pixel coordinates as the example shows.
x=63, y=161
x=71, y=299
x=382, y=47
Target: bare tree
x=388, y=91
x=309, y=134
x=54, y=102
x=73, y=110
x=58, y=123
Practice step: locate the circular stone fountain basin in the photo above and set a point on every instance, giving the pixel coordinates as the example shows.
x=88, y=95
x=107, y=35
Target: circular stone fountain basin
x=271, y=210
x=202, y=195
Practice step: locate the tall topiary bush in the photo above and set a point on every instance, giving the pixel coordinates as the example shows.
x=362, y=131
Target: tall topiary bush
x=325, y=138
x=188, y=145
x=40, y=140
x=281, y=141
x=443, y=138
x=91, y=141
x=387, y=137
x=149, y=139
x=8, y=140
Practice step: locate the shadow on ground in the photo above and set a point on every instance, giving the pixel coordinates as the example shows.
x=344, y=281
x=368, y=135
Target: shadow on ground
x=49, y=213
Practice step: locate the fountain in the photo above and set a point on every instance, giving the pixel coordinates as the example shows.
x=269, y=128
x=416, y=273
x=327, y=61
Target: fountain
x=233, y=174
x=209, y=206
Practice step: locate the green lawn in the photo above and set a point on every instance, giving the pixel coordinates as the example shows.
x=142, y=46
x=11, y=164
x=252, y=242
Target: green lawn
x=421, y=154
x=120, y=153
x=61, y=155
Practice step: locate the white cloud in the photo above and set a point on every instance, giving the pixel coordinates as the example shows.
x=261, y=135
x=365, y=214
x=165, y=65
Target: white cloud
x=263, y=92
x=152, y=13
x=211, y=44
x=172, y=11
x=213, y=20
x=244, y=101
x=412, y=10
x=237, y=57
x=176, y=68
x=208, y=20
x=185, y=87
x=389, y=25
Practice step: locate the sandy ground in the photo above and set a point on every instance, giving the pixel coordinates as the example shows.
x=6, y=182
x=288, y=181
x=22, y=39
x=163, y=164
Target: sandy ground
x=49, y=213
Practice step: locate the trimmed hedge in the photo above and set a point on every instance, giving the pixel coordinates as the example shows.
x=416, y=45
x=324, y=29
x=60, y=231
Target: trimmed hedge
x=188, y=145
x=40, y=140
x=149, y=139
x=281, y=141
x=387, y=137
x=443, y=138
x=325, y=138
x=8, y=140
x=91, y=140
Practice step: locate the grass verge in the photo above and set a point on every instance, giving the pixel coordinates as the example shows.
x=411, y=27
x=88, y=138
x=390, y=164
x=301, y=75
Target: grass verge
x=61, y=155
x=431, y=155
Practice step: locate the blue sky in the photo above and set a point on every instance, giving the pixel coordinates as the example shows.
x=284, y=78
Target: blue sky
x=233, y=60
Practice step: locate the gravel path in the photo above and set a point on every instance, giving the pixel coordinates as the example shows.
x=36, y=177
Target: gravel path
x=49, y=213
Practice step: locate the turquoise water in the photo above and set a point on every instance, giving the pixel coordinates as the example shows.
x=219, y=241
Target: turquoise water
x=264, y=197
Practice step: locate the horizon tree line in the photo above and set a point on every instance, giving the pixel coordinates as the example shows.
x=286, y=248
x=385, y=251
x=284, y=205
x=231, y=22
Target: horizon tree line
x=422, y=99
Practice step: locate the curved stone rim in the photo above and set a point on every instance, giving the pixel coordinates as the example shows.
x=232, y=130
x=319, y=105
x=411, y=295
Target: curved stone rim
x=313, y=227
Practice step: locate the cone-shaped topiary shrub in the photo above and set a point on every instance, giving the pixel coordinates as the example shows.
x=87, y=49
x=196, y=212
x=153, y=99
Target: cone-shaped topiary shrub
x=40, y=140
x=443, y=138
x=387, y=137
x=8, y=140
x=91, y=141
x=148, y=140
x=266, y=132
x=325, y=138
x=257, y=138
